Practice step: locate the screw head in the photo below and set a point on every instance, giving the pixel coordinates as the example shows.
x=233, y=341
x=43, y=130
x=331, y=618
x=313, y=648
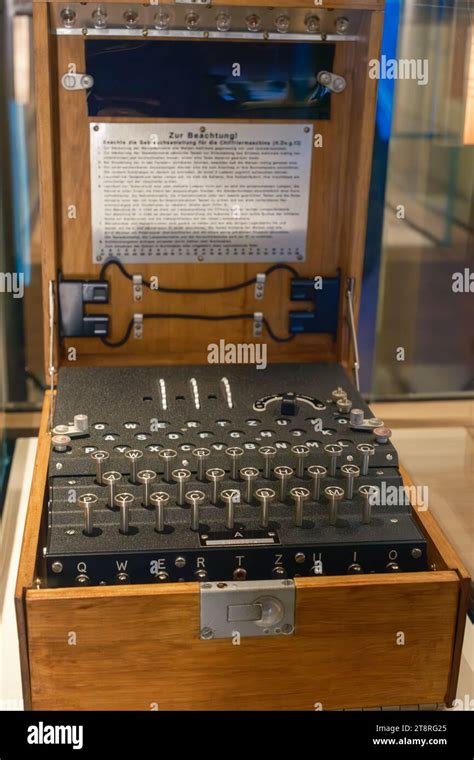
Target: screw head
x=207, y=633
x=300, y=557
x=57, y=567
x=180, y=562
x=416, y=553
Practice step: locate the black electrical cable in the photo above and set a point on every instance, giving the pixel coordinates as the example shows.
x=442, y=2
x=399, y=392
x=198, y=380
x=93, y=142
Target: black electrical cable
x=207, y=318
x=225, y=289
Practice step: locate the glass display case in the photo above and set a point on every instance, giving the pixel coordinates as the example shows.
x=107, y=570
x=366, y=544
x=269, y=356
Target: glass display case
x=417, y=328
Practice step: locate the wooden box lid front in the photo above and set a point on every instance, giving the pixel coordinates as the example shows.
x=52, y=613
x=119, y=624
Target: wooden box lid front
x=337, y=213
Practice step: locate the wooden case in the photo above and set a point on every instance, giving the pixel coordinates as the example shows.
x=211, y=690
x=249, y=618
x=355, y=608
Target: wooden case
x=360, y=641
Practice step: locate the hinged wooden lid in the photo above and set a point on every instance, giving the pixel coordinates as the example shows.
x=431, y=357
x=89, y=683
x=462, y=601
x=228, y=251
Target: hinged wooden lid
x=340, y=178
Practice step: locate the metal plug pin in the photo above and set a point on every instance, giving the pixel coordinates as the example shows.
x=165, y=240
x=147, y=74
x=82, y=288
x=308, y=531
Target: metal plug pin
x=367, y=451
x=133, y=456
x=334, y=450
x=214, y=475
x=268, y=453
x=265, y=496
x=146, y=478
x=99, y=457
x=230, y=497
x=181, y=477
x=201, y=455
x=334, y=494
x=195, y=499
x=87, y=501
x=299, y=495
x=159, y=499
x=123, y=501
x=350, y=472
x=283, y=474
x=111, y=479
x=249, y=475
x=301, y=452
x=167, y=455
x=316, y=472
x=235, y=454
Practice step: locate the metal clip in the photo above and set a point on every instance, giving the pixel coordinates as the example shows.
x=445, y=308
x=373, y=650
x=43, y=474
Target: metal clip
x=257, y=324
x=77, y=81
x=333, y=82
x=247, y=608
x=138, y=326
x=137, y=287
x=260, y=286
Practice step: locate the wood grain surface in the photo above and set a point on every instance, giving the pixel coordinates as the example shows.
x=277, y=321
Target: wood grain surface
x=139, y=646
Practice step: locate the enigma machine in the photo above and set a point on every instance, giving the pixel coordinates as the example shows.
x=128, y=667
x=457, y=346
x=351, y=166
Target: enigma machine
x=217, y=519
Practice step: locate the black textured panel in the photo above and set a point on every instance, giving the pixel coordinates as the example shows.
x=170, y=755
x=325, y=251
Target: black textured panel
x=125, y=409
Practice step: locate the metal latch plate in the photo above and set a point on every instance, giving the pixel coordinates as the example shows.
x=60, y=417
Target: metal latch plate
x=247, y=608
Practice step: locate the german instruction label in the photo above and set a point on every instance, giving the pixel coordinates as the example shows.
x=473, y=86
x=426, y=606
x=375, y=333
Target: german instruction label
x=200, y=192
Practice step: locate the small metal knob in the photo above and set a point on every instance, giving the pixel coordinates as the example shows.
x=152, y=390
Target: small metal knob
x=159, y=499
x=367, y=451
x=235, y=454
x=133, y=455
x=268, y=453
x=181, y=477
x=382, y=434
x=283, y=474
x=60, y=443
x=195, y=498
x=111, y=479
x=87, y=501
x=338, y=393
x=167, y=456
x=124, y=501
x=301, y=452
x=350, y=472
x=265, y=496
x=146, y=478
x=316, y=472
x=249, y=475
x=344, y=405
x=201, y=455
x=299, y=495
x=334, y=450
x=334, y=494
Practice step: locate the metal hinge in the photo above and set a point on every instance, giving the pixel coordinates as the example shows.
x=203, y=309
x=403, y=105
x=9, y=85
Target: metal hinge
x=247, y=608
